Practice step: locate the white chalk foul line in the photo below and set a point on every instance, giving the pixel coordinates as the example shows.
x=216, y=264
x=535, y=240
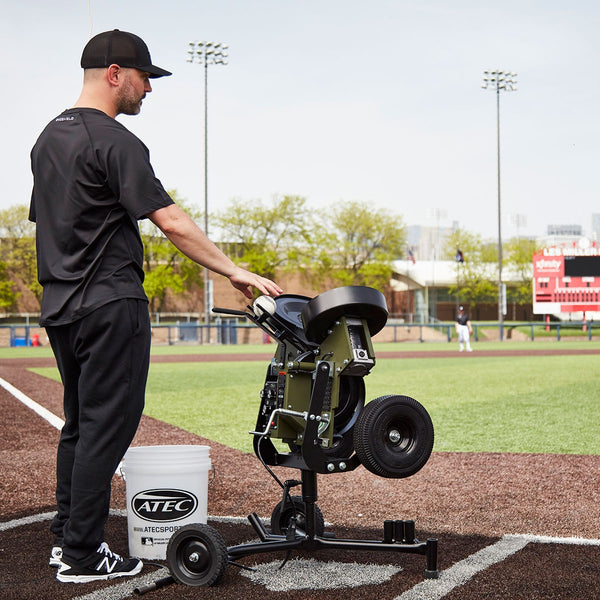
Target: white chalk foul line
x=40, y=410
x=124, y=590
x=47, y=516
x=547, y=539
x=459, y=573
x=37, y=408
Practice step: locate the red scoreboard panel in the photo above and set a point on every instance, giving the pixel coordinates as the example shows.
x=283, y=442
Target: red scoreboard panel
x=566, y=279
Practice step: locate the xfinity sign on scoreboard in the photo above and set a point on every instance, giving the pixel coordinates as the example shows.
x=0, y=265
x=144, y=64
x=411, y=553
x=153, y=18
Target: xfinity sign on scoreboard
x=566, y=279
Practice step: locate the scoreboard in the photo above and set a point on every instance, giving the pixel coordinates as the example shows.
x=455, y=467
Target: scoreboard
x=566, y=279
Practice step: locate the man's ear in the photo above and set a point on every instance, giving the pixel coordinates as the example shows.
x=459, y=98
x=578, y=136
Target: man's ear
x=113, y=74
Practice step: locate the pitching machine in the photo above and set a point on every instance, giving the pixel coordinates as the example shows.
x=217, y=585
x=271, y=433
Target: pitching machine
x=313, y=406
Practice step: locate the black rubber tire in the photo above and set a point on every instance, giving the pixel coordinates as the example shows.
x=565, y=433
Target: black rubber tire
x=284, y=511
x=393, y=436
x=197, y=555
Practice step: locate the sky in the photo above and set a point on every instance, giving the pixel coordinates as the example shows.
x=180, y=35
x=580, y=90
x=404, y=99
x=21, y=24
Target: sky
x=377, y=101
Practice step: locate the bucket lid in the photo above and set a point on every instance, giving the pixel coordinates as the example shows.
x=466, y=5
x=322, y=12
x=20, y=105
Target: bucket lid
x=166, y=454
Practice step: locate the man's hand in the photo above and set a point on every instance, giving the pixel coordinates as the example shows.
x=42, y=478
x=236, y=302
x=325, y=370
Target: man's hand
x=245, y=280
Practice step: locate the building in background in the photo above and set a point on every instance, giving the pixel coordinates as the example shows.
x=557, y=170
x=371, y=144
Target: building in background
x=566, y=287
x=595, y=235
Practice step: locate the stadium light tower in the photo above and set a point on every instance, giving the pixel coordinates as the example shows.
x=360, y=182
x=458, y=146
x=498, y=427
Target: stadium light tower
x=499, y=81
x=207, y=53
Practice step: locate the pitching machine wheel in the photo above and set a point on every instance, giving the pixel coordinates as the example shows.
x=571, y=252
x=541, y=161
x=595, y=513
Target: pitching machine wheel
x=197, y=555
x=351, y=403
x=351, y=301
x=284, y=512
x=393, y=436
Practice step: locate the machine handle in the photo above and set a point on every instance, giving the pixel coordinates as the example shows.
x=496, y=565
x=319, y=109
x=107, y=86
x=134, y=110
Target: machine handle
x=230, y=311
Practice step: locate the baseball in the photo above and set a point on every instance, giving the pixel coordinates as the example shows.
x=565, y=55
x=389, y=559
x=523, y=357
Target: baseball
x=264, y=304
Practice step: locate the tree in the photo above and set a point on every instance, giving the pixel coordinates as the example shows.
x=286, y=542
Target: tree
x=519, y=257
x=266, y=237
x=8, y=295
x=357, y=244
x=351, y=244
x=165, y=267
x=474, y=279
x=17, y=248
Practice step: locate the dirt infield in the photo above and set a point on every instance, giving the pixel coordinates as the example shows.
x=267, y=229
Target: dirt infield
x=524, y=526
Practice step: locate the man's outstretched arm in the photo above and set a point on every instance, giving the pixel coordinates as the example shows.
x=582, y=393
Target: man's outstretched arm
x=185, y=235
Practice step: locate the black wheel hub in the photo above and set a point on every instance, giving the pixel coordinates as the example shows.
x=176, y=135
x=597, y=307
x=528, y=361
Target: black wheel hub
x=398, y=437
x=195, y=557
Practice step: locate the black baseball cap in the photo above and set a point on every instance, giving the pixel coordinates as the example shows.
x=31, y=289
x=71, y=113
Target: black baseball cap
x=119, y=48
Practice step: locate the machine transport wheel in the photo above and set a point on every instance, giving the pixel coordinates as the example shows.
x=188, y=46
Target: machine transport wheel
x=393, y=436
x=284, y=512
x=197, y=555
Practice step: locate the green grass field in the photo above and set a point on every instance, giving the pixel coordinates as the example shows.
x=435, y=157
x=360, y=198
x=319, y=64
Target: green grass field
x=546, y=404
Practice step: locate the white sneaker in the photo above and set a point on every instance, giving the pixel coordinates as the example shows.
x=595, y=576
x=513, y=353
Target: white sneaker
x=101, y=566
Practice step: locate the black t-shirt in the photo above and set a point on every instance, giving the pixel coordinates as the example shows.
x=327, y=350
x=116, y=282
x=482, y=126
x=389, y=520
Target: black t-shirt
x=462, y=318
x=92, y=182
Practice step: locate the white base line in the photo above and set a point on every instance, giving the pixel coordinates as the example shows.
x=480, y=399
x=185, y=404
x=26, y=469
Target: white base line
x=116, y=512
x=122, y=591
x=27, y=401
x=459, y=573
x=546, y=539
x=48, y=416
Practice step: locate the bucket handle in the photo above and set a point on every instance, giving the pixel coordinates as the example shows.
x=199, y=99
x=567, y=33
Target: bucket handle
x=121, y=473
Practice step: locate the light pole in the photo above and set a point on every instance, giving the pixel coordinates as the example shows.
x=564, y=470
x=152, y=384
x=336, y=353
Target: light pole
x=207, y=53
x=507, y=82
x=437, y=214
x=518, y=221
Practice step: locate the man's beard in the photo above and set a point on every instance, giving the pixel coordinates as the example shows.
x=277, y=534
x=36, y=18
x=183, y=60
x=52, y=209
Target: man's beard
x=128, y=103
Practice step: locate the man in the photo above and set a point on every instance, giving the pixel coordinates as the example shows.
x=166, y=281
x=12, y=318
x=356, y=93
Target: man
x=92, y=182
x=463, y=329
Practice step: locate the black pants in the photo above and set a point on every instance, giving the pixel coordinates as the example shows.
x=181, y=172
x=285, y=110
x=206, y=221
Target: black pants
x=103, y=360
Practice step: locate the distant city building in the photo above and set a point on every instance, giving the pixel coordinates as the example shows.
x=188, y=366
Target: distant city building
x=425, y=276
x=427, y=243
x=565, y=230
x=561, y=234
x=595, y=226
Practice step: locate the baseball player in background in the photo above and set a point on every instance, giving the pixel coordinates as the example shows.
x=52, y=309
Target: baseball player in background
x=463, y=329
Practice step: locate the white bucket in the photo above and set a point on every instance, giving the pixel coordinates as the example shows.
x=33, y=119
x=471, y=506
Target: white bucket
x=167, y=488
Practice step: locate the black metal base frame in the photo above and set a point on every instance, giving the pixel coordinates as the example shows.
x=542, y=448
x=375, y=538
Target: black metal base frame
x=398, y=536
